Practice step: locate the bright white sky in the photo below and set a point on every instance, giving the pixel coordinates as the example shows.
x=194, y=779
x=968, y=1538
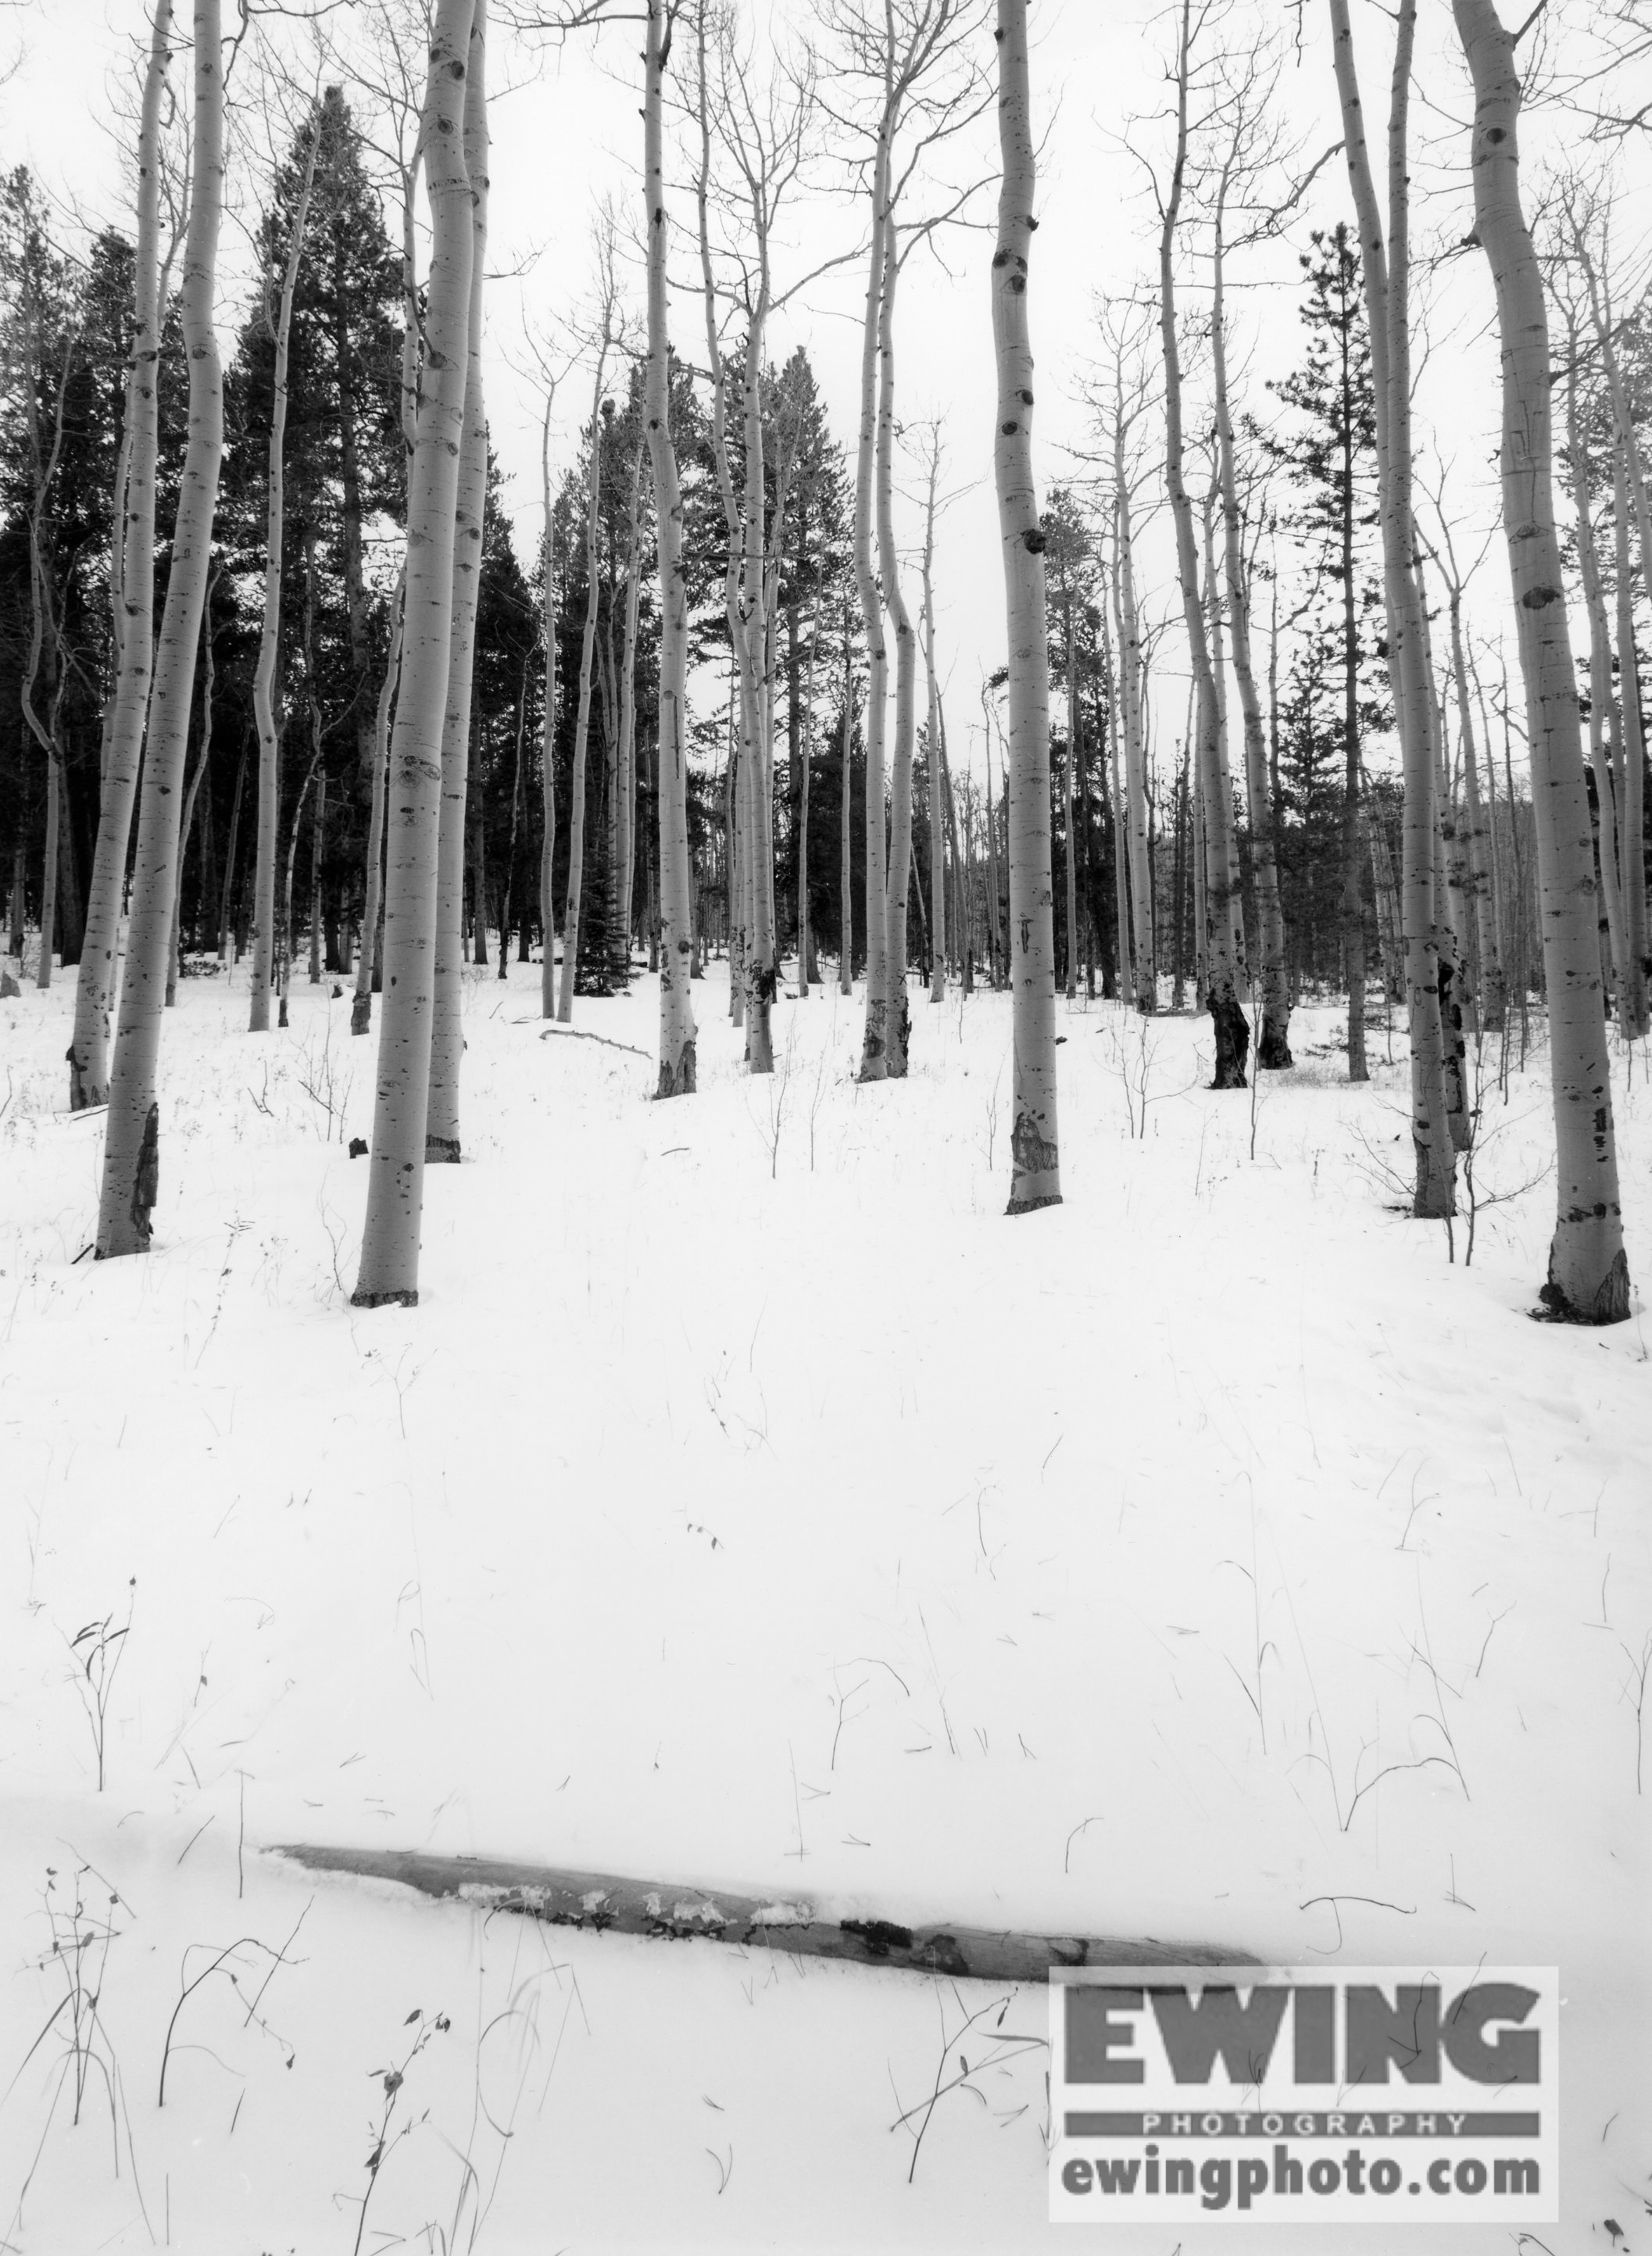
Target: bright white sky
x=566, y=129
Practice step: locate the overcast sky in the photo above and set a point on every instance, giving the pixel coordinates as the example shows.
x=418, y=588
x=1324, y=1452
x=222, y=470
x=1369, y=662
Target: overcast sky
x=566, y=129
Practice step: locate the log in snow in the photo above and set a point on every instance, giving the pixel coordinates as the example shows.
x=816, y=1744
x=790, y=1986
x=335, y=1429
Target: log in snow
x=669, y=1913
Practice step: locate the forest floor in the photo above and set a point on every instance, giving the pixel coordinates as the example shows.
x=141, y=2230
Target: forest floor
x=748, y=1504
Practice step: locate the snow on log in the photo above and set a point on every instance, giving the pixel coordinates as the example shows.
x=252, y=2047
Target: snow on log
x=600, y=1900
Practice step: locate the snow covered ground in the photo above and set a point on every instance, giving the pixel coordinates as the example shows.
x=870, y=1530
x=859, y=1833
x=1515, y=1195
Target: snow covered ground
x=748, y=1504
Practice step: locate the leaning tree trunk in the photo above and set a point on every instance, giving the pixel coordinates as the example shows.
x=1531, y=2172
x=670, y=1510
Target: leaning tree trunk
x=134, y=613
x=131, y=1151
x=676, y=891
x=1273, y=1039
x=1588, y=1279
x=897, y=1017
x=389, y=1271
x=1388, y=319
x=1223, y=922
x=442, y=1142
x=1035, y=1150
x=361, y=1009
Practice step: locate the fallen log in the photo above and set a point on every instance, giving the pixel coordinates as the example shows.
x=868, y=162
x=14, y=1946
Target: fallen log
x=601, y=1902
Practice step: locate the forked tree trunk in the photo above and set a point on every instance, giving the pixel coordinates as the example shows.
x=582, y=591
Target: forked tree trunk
x=134, y=609
x=1035, y=1144
x=1388, y=319
x=1588, y=1279
x=270, y=628
x=443, y=1141
x=677, y=1069
x=389, y=1271
x=132, y=1149
x=361, y=1009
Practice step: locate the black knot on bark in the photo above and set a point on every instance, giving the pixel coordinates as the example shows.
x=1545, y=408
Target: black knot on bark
x=1494, y=134
x=1018, y=283
x=1000, y=258
x=1535, y=599
x=998, y=34
x=1034, y=541
x=1027, y=400
x=1008, y=429
x=455, y=69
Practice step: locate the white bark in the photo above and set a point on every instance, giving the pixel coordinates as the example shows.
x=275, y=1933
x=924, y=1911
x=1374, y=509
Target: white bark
x=133, y=607
x=389, y=1271
x=263, y=934
x=1034, y=1153
x=1588, y=1279
x=132, y=1148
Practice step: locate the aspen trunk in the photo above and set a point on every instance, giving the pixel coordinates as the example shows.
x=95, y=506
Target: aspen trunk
x=1631, y=737
x=389, y=1271
x=845, y=827
x=270, y=630
x=361, y=1009
x=937, y=790
x=995, y=928
x=187, y=821
x=132, y=1148
x=806, y=966
x=675, y=936
x=1588, y=1279
x=1146, y=985
x=874, y=1063
x=583, y=712
x=442, y=1141
x=897, y=1017
x=1220, y=919
x=1071, y=855
x=1273, y=1041
x=756, y=710
x=548, y=737
x=1490, y=984
x=133, y=609
x=1387, y=293
x=1457, y=999
x=1602, y=712
x=1035, y=1160
x=226, y=899
x=625, y=779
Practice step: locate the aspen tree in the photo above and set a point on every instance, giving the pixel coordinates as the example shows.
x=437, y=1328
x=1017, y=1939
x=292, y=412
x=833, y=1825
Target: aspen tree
x=132, y=1146
x=1126, y=620
x=1035, y=1161
x=547, y=731
x=389, y=1270
x=602, y=416
x=845, y=886
x=897, y=1018
x=1221, y=923
x=625, y=775
x=361, y=1009
x=1588, y=1279
x=270, y=627
x=43, y=609
x=132, y=603
x=1385, y=270
x=932, y=741
x=1488, y=970
x=677, y=1055
x=198, y=775
x=1602, y=710
x=1273, y=1041
x=1632, y=867
x=443, y=1141
x=874, y=1064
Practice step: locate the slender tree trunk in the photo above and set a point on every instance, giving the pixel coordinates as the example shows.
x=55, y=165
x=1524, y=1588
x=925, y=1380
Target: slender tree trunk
x=442, y=1139
x=270, y=629
x=874, y=1063
x=1588, y=1279
x=134, y=613
x=937, y=792
x=806, y=968
x=1602, y=712
x=186, y=824
x=582, y=712
x=1386, y=292
x=995, y=935
x=131, y=1147
x=318, y=851
x=1035, y=1162
x=897, y=1017
x=1223, y=919
x=625, y=778
x=1479, y=842
x=675, y=943
x=389, y=1271
x=845, y=862
x=1632, y=835
x=1273, y=1041
x=361, y=1009
x=226, y=900
x=1146, y=995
